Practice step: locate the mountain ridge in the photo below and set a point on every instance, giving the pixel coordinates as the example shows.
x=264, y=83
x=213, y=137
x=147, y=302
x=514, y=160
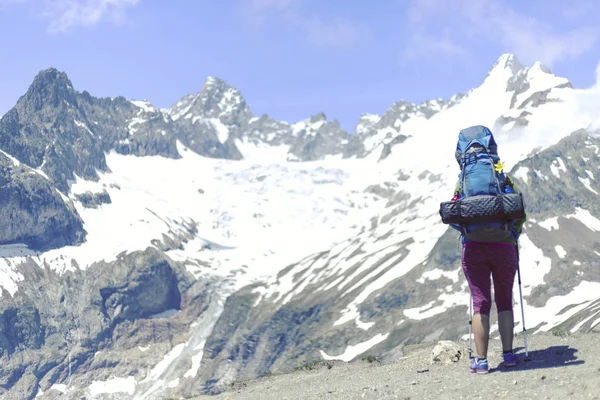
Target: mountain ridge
x=223, y=118
x=285, y=243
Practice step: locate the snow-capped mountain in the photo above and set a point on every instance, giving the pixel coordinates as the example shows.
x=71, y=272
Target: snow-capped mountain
x=222, y=112
x=202, y=244
x=399, y=279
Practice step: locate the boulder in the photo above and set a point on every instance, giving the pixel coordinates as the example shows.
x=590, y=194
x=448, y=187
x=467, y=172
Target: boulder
x=446, y=352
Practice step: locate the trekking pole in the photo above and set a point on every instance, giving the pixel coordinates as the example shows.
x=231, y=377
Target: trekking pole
x=470, y=318
x=522, y=307
x=471, y=326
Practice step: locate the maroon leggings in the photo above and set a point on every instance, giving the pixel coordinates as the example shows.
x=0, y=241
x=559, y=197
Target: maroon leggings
x=479, y=260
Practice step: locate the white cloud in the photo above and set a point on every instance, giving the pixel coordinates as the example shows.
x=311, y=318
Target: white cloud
x=484, y=22
x=331, y=32
x=66, y=14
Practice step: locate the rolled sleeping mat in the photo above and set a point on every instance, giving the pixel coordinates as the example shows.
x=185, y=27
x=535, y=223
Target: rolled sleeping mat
x=483, y=208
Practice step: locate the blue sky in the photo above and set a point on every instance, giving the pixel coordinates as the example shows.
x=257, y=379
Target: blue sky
x=291, y=58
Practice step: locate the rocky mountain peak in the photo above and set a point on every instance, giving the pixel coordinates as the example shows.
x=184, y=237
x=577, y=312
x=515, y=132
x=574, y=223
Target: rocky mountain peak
x=49, y=87
x=213, y=81
x=217, y=99
x=51, y=76
x=318, y=117
x=509, y=62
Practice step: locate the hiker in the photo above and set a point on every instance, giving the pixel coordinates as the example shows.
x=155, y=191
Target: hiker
x=489, y=248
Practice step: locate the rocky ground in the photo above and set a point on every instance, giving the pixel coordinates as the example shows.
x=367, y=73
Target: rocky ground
x=561, y=366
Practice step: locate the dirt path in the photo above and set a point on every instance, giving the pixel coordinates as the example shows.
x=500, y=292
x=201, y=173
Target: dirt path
x=561, y=367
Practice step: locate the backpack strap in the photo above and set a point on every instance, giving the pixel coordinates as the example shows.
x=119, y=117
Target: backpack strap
x=463, y=176
x=494, y=172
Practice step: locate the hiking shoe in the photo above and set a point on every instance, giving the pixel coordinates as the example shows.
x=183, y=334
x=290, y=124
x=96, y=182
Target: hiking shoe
x=479, y=366
x=510, y=359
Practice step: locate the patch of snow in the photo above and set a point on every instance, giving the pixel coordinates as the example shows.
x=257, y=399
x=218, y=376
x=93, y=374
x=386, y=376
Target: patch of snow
x=299, y=127
x=587, y=184
x=541, y=176
x=550, y=224
x=135, y=121
x=585, y=217
x=372, y=118
x=112, y=386
x=365, y=326
x=557, y=166
x=222, y=130
x=350, y=313
x=262, y=151
x=196, y=361
x=560, y=251
x=538, y=265
x=590, y=173
x=60, y=387
x=353, y=351
x=161, y=367
x=366, y=123
x=9, y=278
x=13, y=159
x=379, y=137
x=509, y=125
x=430, y=309
x=144, y=105
x=437, y=273
x=521, y=174
x=84, y=126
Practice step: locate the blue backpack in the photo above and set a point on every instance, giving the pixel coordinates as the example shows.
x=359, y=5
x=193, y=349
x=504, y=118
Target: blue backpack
x=477, y=154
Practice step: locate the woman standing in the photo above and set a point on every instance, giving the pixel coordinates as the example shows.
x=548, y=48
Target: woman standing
x=488, y=249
